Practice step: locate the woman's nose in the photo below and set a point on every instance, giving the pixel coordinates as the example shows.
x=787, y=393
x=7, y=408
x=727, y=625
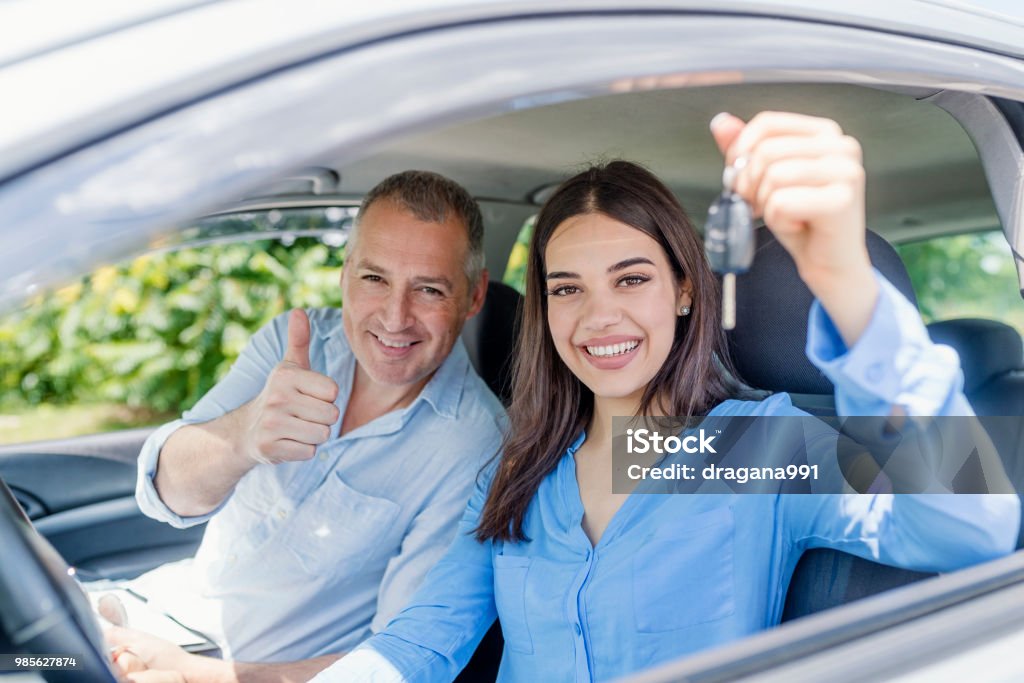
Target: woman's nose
x=600, y=311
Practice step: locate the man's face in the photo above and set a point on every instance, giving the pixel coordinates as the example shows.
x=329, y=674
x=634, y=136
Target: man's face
x=405, y=294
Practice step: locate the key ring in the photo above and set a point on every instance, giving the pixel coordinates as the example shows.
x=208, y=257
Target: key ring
x=729, y=173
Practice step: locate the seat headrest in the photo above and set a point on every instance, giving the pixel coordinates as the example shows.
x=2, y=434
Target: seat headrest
x=987, y=347
x=490, y=338
x=772, y=304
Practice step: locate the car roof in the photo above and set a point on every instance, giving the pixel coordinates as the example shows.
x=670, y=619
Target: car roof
x=118, y=87
x=62, y=79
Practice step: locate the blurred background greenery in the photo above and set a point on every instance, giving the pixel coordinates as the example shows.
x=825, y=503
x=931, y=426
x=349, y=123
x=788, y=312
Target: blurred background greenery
x=138, y=343
x=965, y=276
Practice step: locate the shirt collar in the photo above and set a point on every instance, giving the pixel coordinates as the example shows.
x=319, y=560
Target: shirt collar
x=444, y=390
x=575, y=445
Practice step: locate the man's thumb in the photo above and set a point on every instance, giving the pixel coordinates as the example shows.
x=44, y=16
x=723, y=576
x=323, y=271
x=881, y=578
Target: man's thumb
x=297, y=350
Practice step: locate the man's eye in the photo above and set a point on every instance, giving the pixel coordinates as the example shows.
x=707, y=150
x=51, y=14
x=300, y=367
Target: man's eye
x=633, y=280
x=564, y=290
x=432, y=291
x=372, y=278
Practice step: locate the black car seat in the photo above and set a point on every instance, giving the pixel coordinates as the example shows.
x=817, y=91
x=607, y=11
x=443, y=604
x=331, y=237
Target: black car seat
x=772, y=304
x=767, y=346
x=992, y=357
x=490, y=339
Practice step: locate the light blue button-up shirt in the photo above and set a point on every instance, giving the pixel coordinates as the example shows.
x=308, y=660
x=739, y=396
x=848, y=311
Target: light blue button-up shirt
x=674, y=574
x=307, y=558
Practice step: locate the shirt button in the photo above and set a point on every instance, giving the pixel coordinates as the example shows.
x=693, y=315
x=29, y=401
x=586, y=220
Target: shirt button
x=579, y=631
x=323, y=457
x=282, y=513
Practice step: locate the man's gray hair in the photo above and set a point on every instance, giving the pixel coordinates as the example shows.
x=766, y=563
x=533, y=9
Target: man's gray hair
x=432, y=198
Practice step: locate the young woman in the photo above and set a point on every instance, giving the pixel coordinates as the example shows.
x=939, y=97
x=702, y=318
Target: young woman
x=622, y=317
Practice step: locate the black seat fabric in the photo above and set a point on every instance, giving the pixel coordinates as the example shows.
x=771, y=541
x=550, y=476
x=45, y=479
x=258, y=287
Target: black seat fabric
x=486, y=660
x=988, y=350
x=490, y=338
x=992, y=357
x=772, y=304
x=767, y=346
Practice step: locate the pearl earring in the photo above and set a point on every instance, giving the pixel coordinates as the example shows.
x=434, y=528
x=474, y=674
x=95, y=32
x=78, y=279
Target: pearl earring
x=684, y=310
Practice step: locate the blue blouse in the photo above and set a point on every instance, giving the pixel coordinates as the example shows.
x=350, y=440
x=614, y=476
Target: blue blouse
x=674, y=574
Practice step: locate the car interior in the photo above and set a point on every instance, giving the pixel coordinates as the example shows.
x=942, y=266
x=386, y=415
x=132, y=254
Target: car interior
x=926, y=177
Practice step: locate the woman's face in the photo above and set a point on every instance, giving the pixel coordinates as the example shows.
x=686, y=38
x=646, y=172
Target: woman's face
x=613, y=303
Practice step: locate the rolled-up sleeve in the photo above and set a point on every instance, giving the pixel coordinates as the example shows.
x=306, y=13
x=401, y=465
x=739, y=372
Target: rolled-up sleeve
x=362, y=664
x=894, y=363
x=145, y=491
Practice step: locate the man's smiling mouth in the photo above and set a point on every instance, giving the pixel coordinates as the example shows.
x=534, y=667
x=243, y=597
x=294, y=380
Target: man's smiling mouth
x=394, y=343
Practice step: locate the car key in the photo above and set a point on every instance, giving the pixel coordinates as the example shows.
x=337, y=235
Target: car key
x=729, y=240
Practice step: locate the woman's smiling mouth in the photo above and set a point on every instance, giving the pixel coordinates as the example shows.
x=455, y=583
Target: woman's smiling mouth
x=610, y=353
x=613, y=349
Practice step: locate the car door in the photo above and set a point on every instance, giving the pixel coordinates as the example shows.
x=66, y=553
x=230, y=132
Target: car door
x=80, y=494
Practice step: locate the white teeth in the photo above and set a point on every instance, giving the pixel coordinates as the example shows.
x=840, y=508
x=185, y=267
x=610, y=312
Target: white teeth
x=393, y=345
x=613, y=349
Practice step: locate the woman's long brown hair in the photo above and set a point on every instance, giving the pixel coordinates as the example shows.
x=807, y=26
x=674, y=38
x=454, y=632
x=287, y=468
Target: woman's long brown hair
x=550, y=406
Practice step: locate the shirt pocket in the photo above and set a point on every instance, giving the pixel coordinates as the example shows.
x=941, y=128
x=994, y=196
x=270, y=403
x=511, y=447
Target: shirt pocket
x=685, y=577
x=337, y=529
x=510, y=573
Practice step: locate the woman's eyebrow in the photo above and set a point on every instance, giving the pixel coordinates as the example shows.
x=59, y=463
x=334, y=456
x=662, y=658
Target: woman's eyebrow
x=622, y=265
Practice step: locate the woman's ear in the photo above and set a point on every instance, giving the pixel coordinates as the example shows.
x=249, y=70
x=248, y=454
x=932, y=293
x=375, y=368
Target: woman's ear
x=684, y=301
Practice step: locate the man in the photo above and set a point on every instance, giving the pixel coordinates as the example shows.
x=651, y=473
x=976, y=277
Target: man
x=335, y=458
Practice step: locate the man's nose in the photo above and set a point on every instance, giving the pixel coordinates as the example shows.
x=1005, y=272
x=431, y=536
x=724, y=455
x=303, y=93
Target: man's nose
x=395, y=314
x=600, y=311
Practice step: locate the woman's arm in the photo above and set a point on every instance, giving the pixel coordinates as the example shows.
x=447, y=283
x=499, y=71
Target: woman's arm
x=806, y=178
x=434, y=637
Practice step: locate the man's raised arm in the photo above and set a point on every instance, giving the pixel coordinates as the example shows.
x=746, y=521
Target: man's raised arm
x=199, y=464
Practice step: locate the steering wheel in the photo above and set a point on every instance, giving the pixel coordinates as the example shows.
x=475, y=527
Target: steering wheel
x=43, y=611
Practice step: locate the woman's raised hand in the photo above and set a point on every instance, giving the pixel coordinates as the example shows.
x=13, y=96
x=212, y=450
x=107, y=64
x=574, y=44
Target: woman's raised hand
x=805, y=177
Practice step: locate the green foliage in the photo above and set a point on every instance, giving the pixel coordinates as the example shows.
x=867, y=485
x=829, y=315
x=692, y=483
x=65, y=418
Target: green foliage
x=158, y=332
x=515, y=271
x=961, y=276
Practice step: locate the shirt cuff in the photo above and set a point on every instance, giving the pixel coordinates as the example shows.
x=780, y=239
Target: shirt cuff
x=364, y=664
x=145, y=490
x=894, y=362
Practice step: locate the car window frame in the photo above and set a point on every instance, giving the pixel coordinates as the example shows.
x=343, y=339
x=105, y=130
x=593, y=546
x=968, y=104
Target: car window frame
x=194, y=152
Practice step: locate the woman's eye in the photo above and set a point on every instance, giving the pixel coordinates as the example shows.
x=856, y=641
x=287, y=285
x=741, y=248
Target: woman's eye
x=633, y=280
x=564, y=290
